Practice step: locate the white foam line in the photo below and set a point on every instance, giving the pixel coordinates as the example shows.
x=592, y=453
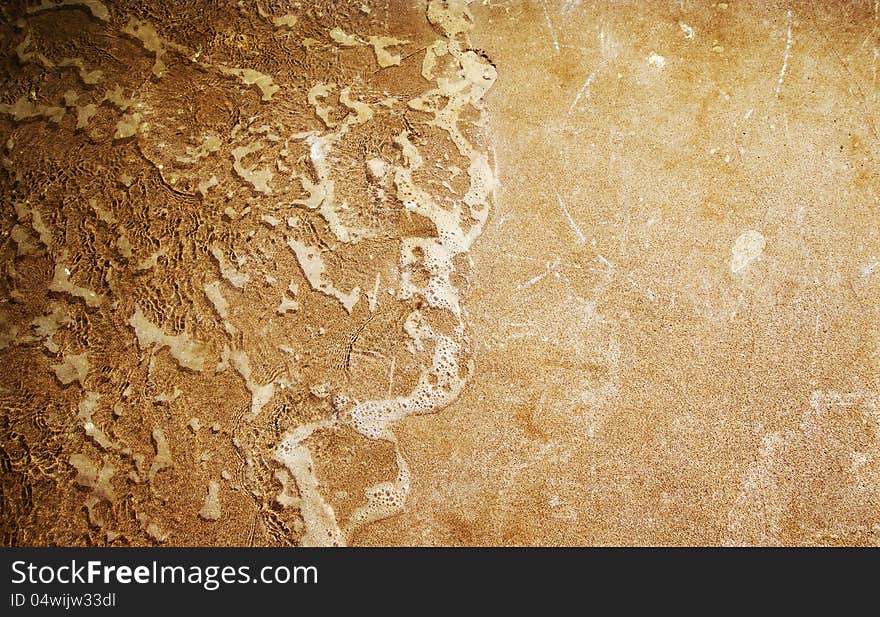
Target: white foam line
x=374, y=296
x=785, y=56
x=571, y=222
x=391, y=375
x=550, y=26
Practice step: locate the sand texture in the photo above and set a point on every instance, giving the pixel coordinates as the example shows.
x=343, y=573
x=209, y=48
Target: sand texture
x=505, y=272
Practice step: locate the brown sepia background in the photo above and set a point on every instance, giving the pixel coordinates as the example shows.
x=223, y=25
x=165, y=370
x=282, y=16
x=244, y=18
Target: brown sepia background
x=500, y=272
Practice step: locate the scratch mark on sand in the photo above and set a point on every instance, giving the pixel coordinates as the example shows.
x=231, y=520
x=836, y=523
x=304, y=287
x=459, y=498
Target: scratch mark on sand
x=552, y=268
x=585, y=89
x=550, y=26
x=570, y=220
x=789, y=40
